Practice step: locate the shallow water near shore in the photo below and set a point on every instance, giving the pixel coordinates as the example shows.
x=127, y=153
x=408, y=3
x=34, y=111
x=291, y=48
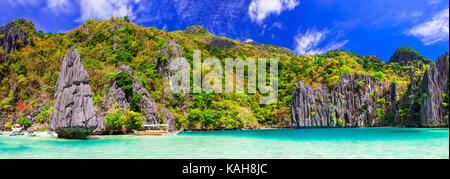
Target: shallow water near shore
x=265, y=144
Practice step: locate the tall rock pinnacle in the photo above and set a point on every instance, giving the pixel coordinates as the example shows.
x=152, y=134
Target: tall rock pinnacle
x=74, y=114
x=435, y=83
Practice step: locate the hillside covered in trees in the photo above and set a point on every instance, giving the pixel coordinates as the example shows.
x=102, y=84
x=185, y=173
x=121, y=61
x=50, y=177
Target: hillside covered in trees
x=30, y=64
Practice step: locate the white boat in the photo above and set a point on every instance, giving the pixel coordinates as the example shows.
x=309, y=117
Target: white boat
x=158, y=132
x=45, y=134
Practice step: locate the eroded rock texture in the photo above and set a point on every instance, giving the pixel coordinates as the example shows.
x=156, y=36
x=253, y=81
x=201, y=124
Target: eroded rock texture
x=74, y=114
x=170, y=52
x=350, y=103
x=117, y=96
x=15, y=35
x=434, y=85
x=168, y=118
x=361, y=101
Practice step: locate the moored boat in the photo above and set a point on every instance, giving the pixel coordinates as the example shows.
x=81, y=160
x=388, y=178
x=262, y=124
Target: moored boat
x=156, y=130
x=156, y=133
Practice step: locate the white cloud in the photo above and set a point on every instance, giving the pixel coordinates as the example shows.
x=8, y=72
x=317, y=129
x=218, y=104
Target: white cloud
x=308, y=42
x=261, y=9
x=59, y=6
x=435, y=1
x=105, y=9
x=218, y=17
x=434, y=30
x=278, y=25
x=249, y=40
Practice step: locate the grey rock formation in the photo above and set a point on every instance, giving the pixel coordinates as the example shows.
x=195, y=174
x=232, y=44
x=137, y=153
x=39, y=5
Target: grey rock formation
x=168, y=118
x=171, y=51
x=221, y=43
x=349, y=103
x=434, y=84
x=117, y=95
x=195, y=29
x=353, y=101
x=74, y=114
x=15, y=35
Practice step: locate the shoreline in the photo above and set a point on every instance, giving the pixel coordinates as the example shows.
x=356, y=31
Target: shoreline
x=194, y=131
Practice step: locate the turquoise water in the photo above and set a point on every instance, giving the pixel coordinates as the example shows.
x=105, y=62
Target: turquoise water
x=265, y=144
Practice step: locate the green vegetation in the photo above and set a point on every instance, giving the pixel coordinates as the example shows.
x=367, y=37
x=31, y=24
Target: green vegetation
x=340, y=123
x=412, y=56
x=6, y=103
x=123, y=121
x=379, y=76
x=125, y=83
x=24, y=122
x=381, y=101
x=43, y=115
x=8, y=125
x=379, y=113
x=135, y=102
x=105, y=45
x=361, y=84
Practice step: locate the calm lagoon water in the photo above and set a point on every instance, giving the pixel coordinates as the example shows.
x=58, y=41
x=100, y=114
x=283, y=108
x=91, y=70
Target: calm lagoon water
x=265, y=144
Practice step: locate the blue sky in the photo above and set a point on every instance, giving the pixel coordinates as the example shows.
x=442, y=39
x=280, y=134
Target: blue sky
x=366, y=27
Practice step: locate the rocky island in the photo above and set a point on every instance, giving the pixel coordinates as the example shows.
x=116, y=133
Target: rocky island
x=361, y=101
x=110, y=77
x=74, y=115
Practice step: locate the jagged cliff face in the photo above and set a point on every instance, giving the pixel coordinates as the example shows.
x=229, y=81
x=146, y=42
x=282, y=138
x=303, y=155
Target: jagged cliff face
x=434, y=86
x=361, y=101
x=105, y=45
x=147, y=106
x=350, y=103
x=170, y=53
x=74, y=114
x=15, y=35
x=118, y=96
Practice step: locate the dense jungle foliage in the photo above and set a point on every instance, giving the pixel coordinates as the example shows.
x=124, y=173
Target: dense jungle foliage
x=28, y=78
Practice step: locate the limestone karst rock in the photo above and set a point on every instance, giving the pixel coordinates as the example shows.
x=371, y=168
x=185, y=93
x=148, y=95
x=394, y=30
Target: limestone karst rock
x=117, y=96
x=171, y=51
x=349, y=103
x=352, y=101
x=74, y=115
x=15, y=35
x=168, y=118
x=433, y=87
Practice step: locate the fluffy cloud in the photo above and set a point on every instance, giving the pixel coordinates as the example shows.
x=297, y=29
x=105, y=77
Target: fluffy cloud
x=434, y=30
x=59, y=6
x=308, y=42
x=261, y=9
x=104, y=9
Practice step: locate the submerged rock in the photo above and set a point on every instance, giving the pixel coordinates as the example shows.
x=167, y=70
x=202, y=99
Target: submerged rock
x=74, y=114
x=434, y=85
